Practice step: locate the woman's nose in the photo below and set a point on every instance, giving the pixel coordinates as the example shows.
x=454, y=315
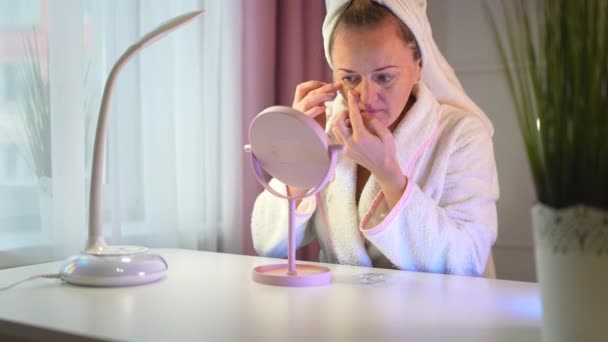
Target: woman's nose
x=367, y=91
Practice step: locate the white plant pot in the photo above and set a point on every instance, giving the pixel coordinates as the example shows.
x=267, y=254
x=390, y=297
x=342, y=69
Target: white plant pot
x=571, y=251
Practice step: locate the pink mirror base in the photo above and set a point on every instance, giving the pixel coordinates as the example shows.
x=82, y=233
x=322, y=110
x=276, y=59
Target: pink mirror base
x=278, y=274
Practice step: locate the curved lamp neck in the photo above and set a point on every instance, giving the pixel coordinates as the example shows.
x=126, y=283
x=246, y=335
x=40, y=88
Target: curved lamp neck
x=96, y=242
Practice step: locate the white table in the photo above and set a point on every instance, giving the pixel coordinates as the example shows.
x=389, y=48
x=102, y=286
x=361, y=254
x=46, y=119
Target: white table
x=211, y=297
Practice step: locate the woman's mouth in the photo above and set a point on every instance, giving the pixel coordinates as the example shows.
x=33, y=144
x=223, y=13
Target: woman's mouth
x=375, y=113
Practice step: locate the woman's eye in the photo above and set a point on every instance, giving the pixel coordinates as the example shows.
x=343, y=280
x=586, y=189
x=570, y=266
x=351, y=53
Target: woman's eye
x=383, y=78
x=350, y=79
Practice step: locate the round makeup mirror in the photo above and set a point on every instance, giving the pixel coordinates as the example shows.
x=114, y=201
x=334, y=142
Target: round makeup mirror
x=291, y=147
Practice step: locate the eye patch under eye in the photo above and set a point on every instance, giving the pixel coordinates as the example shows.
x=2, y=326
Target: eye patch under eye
x=346, y=87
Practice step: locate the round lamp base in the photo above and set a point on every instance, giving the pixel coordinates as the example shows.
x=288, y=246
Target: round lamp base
x=113, y=270
x=278, y=274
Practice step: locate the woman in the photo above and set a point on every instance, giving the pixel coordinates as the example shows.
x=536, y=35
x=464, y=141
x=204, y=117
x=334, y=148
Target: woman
x=416, y=186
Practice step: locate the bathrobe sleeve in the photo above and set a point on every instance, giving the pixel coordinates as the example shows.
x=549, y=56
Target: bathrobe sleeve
x=270, y=222
x=447, y=233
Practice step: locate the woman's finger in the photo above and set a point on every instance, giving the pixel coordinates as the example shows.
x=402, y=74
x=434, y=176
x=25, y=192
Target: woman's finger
x=378, y=129
x=340, y=128
x=340, y=116
x=355, y=115
x=304, y=88
x=341, y=135
x=318, y=114
x=313, y=100
x=327, y=88
x=337, y=136
x=314, y=111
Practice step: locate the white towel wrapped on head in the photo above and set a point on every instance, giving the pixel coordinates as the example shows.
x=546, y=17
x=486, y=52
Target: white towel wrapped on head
x=437, y=74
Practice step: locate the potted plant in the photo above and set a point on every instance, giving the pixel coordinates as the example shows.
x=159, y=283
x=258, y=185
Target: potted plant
x=35, y=117
x=559, y=87
x=35, y=111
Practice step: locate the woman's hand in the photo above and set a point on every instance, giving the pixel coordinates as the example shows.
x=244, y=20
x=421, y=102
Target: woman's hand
x=310, y=98
x=371, y=145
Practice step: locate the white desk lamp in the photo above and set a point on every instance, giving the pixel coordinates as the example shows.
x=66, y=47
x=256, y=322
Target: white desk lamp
x=101, y=264
x=292, y=148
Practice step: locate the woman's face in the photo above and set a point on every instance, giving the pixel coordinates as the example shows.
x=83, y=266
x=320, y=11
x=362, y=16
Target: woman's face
x=379, y=66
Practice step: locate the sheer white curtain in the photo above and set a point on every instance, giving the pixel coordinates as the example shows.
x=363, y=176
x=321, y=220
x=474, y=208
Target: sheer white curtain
x=173, y=173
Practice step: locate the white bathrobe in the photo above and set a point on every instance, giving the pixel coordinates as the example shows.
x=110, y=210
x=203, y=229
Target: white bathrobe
x=445, y=222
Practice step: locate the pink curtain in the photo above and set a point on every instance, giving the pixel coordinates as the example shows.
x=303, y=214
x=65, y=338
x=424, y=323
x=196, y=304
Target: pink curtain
x=282, y=47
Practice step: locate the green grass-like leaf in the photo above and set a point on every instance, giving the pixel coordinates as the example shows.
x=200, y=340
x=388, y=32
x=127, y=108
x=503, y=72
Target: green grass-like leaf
x=35, y=109
x=559, y=87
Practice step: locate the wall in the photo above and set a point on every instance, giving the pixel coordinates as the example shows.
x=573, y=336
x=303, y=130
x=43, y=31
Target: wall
x=464, y=35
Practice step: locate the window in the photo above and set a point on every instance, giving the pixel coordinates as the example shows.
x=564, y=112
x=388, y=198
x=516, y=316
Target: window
x=19, y=199
x=172, y=170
